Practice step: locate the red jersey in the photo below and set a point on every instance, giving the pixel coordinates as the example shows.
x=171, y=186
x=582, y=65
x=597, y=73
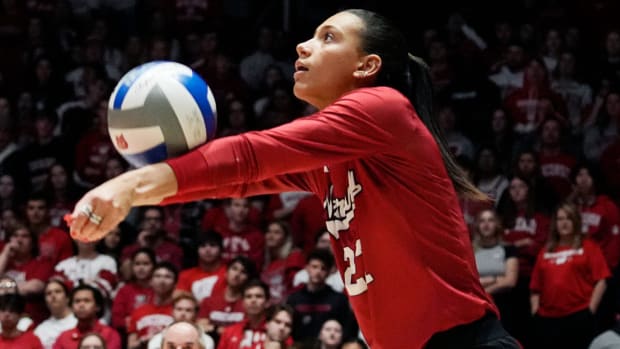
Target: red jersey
x=279, y=275
x=249, y=242
x=535, y=228
x=71, y=338
x=601, y=223
x=55, y=244
x=200, y=283
x=565, y=278
x=307, y=219
x=26, y=340
x=242, y=336
x=219, y=311
x=128, y=298
x=150, y=319
x=397, y=229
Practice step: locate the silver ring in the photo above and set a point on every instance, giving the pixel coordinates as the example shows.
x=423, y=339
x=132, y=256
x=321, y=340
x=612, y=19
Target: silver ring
x=87, y=210
x=95, y=218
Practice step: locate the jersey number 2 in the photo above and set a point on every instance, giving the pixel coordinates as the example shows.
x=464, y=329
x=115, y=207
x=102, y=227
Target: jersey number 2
x=360, y=285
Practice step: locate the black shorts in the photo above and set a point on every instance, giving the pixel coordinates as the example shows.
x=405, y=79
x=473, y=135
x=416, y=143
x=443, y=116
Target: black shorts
x=485, y=333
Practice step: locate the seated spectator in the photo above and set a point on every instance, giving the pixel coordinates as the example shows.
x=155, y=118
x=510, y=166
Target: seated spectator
x=152, y=235
x=568, y=282
x=89, y=267
x=149, y=319
x=356, y=343
x=87, y=304
x=278, y=326
x=497, y=264
x=458, y=143
x=217, y=217
x=330, y=336
x=185, y=308
x=282, y=261
x=487, y=174
x=62, y=194
x=317, y=302
x=92, y=341
x=183, y=334
x=527, y=167
x=20, y=260
x=8, y=192
x=225, y=305
x=252, y=329
x=61, y=318
x=9, y=286
x=114, y=242
x=54, y=243
x=201, y=279
x=11, y=308
x=135, y=292
x=334, y=280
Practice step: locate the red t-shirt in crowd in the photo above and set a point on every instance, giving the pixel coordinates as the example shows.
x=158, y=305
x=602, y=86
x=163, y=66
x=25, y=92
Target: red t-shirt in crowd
x=601, y=222
x=216, y=218
x=71, y=338
x=26, y=340
x=249, y=242
x=55, y=244
x=150, y=319
x=535, y=228
x=279, y=275
x=129, y=297
x=398, y=233
x=565, y=278
x=307, y=219
x=242, y=336
x=556, y=169
x=200, y=283
x=166, y=251
x=219, y=311
x=39, y=268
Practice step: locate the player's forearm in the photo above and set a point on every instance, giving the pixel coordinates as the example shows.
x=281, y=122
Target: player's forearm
x=151, y=183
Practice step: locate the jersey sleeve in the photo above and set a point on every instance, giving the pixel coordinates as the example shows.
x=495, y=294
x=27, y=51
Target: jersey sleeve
x=361, y=123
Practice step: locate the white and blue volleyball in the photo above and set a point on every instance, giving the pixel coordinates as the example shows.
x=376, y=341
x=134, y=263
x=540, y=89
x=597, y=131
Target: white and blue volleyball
x=160, y=110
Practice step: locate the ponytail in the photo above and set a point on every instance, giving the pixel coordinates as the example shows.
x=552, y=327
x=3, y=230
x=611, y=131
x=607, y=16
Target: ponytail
x=421, y=96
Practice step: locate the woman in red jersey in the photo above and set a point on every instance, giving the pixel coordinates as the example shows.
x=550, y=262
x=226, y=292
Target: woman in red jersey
x=568, y=282
x=374, y=156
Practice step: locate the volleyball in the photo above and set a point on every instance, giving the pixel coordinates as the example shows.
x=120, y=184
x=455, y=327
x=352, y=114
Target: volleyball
x=159, y=110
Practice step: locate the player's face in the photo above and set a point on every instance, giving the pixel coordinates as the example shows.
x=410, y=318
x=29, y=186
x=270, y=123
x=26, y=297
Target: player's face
x=331, y=333
x=236, y=275
x=563, y=223
x=254, y=301
x=55, y=296
x=275, y=236
x=142, y=267
x=84, y=306
x=162, y=281
x=279, y=328
x=487, y=223
x=327, y=61
x=184, y=310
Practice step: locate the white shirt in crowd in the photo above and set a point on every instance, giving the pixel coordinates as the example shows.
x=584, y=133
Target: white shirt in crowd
x=49, y=330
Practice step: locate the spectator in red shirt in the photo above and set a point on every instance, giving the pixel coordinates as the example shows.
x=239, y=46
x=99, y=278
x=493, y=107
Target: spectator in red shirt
x=240, y=236
x=151, y=318
x=11, y=308
x=20, y=260
x=555, y=163
x=87, y=304
x=224, y=307
x=568, y=282
x=153, y=236
x=282, y=261
x=135, y=292
x=54, y=243
x=200, y=280
x=249, y=333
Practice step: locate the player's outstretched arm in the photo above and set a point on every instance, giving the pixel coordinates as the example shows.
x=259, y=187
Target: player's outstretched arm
x=106, y=205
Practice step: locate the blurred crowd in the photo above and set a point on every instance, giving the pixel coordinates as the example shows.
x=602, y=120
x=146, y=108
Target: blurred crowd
x=527, y=98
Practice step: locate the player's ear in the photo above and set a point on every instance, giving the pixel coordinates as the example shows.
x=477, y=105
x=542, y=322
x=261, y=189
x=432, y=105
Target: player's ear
x=369, y=65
